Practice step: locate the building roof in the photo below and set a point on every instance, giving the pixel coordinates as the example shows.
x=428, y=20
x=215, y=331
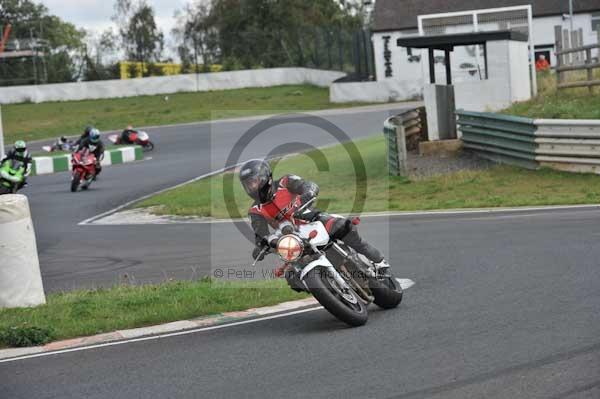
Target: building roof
x=402, y=14
x=448, y=42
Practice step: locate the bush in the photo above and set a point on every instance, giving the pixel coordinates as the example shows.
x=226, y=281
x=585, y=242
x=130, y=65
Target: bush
x=232, y=64
x=25, y=336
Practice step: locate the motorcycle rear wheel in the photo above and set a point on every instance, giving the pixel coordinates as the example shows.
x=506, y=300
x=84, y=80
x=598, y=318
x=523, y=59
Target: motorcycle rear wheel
x=75, y=181
x=321, y=287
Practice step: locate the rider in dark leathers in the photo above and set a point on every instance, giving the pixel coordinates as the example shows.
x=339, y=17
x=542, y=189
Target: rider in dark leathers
x=276, y=201
x=95, y=145
x=125, y=135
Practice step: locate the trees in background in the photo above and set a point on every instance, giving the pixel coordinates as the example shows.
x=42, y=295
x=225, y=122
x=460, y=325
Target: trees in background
x=238, y=34
x=141, y=40
x=57, y=45
x=198, y=46
x=268, y=33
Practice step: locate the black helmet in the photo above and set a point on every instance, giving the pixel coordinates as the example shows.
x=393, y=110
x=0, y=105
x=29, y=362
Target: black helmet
x=257, y=180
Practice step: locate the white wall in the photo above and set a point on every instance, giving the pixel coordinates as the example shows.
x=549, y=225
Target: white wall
x=543, y=35
x=167, y=85
x=376, y=92
x=520, y=80
x=508, y=63
x=543, y=31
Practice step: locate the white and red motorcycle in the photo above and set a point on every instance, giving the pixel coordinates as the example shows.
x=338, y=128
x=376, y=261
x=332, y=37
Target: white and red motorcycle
x=343, y=281
x=140, y=138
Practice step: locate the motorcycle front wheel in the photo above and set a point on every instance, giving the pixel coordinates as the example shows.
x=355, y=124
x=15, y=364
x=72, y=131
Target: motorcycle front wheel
x=341, y=302
x=387, y=292
x=75, y=181
x=148, y=147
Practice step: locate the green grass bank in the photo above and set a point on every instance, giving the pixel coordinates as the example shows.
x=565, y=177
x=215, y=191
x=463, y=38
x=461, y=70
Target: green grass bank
x=88, y=312
x=551, y=103
x=497, y=186
x=52, y=119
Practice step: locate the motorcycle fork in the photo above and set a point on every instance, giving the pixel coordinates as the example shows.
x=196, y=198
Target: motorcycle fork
x=364, y=292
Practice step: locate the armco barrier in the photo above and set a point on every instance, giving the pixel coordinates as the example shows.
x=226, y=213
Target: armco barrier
x=569, y=145
x=403, y=132
x=62, y=163
x=500, y=138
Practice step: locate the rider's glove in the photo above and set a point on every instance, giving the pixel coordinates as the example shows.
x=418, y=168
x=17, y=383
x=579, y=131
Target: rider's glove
x=258, y=254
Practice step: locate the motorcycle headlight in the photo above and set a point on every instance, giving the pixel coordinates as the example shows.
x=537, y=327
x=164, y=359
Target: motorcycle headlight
x=289, y=248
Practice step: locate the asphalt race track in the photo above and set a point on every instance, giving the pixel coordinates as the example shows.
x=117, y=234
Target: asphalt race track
x=73, y=256
x=505, y=305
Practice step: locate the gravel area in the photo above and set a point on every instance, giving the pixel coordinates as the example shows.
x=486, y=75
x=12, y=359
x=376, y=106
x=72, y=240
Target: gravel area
x=426, y=166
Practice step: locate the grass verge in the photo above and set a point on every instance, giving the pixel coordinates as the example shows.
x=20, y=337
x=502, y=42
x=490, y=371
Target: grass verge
x=81, y=313
x=551, y=103
x=495, y=187
x=52, y=119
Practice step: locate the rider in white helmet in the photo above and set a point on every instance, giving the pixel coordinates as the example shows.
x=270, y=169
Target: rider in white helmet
x=20, y=153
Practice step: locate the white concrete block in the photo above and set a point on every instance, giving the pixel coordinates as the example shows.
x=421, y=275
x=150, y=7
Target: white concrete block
x=44, y=165
x=20, y=277
x=128, y=154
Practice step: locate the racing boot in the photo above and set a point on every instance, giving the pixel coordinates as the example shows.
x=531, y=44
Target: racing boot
x=382, y=268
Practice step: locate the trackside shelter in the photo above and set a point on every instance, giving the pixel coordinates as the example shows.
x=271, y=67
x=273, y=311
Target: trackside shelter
x=504, y=79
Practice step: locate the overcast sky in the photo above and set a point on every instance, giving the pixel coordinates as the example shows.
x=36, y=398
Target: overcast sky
x=95, y=14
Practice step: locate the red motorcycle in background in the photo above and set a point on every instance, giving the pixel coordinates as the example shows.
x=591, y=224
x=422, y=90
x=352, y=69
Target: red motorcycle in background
x=84, y=169
x=140, y=138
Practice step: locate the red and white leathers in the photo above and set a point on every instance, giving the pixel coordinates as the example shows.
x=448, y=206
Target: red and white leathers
x=287, y=195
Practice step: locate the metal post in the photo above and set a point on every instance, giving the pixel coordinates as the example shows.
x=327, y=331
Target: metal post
x=431, y=67
x=448, y=68
x=477, y=58
x=571, y=14
x=1, y=136
x=534, y=87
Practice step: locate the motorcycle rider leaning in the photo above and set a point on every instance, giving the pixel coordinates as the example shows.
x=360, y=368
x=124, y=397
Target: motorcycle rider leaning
x=20, y=153
x=126, y=133
x=95, y=145
x=277, y=201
